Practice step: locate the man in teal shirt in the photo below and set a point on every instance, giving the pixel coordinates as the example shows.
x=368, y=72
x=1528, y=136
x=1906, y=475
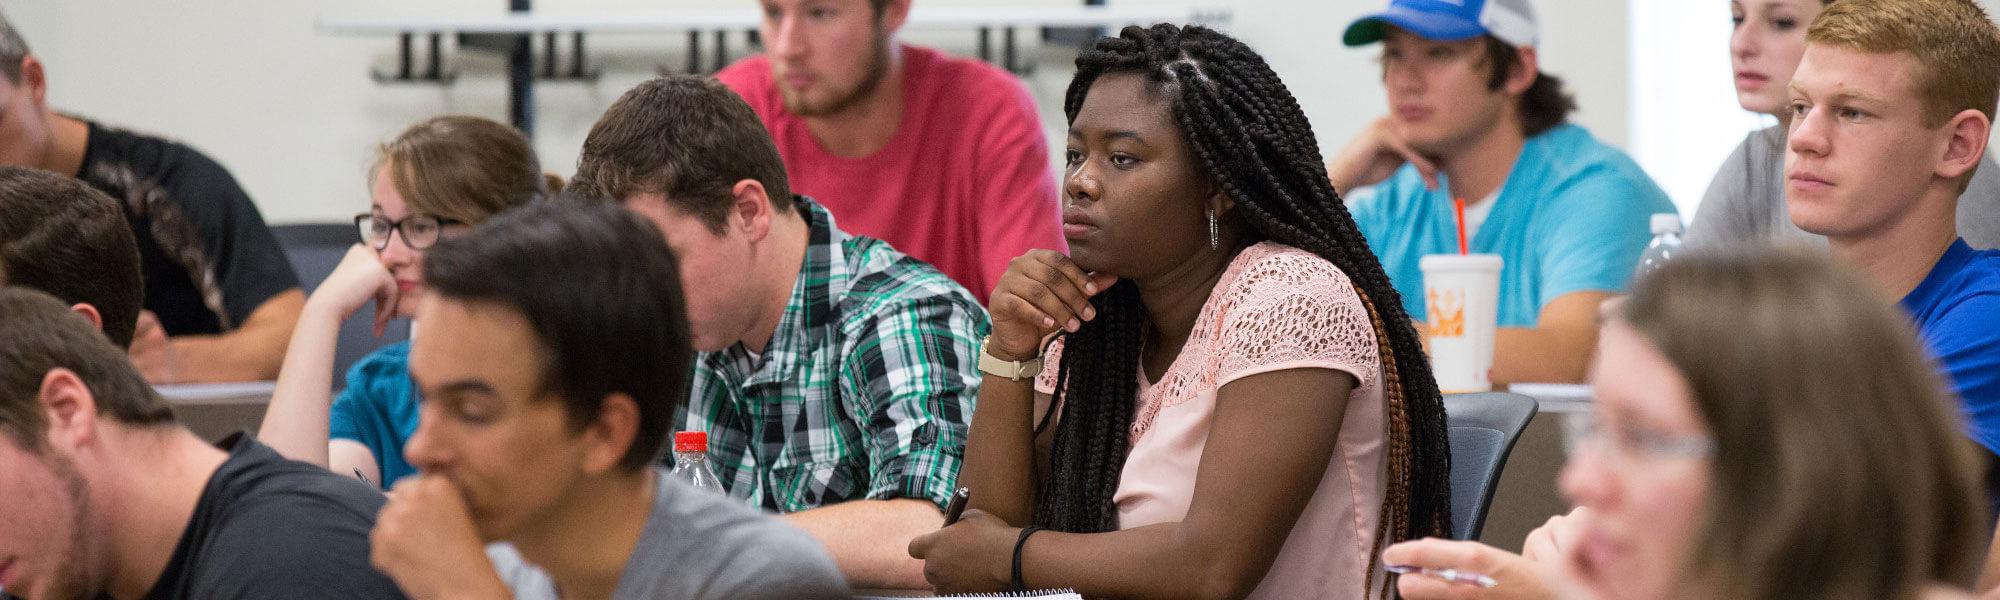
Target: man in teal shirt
x=1472, y=117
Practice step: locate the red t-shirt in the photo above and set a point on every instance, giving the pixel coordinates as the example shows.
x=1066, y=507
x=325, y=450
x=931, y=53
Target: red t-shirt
x=964, y=184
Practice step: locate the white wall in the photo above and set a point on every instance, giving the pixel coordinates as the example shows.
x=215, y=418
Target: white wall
x=1685, y=119
x=295, y=116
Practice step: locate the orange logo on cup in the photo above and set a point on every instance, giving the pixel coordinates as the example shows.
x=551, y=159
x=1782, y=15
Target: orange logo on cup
x=1447, y=312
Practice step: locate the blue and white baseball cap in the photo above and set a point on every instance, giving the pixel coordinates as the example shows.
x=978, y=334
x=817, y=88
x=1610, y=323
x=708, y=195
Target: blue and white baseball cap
x=1513, y=21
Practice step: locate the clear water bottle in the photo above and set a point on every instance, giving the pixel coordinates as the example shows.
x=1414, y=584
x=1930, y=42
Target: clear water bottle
x=691, y=462
x=1666, y=243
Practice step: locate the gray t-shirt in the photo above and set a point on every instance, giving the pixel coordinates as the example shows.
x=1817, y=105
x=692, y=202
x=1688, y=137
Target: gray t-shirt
x=702, y=546
x=1746, y=200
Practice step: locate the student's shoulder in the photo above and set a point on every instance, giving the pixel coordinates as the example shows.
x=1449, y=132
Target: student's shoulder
x=383, y=371
x=292, y=559
x=1275, y=266
x=960, y=72
x=752, y=72
x=1269, y=276
x=1974, y=295
x=286, y=528
x=1753, y=156
x=118, y=153
x=884, y=279
x=751, y=79
x=702, y=514
x=1569, y=152
x=970, y=86
x=393, y=359
x=1578, y=172
x=261, y=487
x=1402, y=194
x=716, y=526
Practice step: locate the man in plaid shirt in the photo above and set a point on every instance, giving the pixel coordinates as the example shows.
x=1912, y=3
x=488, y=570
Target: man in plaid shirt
x=836, y=375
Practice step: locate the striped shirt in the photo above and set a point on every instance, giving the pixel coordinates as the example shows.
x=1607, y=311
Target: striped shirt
x=865, y=390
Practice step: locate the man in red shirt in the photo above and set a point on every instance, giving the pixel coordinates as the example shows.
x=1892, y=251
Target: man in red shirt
x=942, y=157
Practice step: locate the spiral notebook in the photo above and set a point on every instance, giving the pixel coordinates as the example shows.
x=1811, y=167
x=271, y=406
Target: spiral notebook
x=1062, y=594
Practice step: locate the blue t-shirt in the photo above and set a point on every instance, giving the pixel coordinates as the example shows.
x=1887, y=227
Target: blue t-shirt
x=379, y=409
x=1573, y=216
x=1957, y=310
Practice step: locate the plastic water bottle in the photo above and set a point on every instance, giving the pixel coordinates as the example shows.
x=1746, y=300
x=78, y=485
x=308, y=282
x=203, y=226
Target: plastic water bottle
x=1666, y=243
x=691, y=462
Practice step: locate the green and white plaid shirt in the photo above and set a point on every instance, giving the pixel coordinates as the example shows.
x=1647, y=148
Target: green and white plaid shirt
x=865, y=391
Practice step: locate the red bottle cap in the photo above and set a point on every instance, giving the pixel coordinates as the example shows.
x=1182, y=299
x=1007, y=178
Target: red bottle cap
x=691, y=441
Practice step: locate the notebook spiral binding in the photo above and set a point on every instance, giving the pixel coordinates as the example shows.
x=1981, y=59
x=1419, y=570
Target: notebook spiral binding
x=1053, y=593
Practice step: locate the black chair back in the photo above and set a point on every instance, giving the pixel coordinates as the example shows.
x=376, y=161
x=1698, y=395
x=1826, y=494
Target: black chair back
x=314, y=249
x=1483, y=428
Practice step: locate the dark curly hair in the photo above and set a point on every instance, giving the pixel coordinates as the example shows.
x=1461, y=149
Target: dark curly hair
x=1544, y=105
x=1254, y=142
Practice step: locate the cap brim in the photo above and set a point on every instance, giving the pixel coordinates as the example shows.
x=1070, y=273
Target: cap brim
x=1427, y=25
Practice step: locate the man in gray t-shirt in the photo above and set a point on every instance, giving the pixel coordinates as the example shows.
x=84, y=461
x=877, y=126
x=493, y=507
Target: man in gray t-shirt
x=555, y=351
x=1746, y=200
x=700, y=546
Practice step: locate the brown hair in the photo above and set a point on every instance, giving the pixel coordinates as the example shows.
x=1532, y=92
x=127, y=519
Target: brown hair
x=63, y=237
x=603, y=295
x=1545, y=104
x=1833, y=432
x=39, y=334
x=687, y=138
x=1954, y=42
x=13, y=49
x=464, y=168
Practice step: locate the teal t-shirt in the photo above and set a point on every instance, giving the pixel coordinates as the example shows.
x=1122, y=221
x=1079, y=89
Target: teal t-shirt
x=379, y=410
x=1573, y=216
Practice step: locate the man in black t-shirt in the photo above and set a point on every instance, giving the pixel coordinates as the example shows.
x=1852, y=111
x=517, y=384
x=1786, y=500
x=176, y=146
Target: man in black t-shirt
x=221, y=299
x=105, y=494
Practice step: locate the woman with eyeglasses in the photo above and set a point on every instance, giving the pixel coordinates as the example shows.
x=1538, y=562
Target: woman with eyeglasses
x=1794, y=444
x=438, y=179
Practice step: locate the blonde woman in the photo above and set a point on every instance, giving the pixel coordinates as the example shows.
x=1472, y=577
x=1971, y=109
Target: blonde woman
x=438, y=179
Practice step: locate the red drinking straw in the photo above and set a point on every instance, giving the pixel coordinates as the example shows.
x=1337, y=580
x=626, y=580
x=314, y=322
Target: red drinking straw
x=1458, y=206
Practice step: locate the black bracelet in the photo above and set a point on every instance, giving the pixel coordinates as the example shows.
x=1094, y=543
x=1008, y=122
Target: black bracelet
x=1019, y=586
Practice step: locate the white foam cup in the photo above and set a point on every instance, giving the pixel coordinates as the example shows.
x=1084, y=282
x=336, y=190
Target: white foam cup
x=1462, y=310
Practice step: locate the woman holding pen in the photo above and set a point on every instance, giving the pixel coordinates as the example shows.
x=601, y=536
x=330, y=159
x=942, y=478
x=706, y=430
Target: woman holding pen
x=1234, y=403
x=1794, y=445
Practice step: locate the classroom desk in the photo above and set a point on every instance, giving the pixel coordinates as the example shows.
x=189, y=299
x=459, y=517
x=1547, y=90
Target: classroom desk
x=1527, y=495
x=509, y=32
x=214, y=410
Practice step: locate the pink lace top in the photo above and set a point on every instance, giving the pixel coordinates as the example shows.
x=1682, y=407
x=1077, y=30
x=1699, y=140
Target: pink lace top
x=1275, y=308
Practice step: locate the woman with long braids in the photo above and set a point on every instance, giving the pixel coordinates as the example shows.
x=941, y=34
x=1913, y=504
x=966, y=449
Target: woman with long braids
x=1234, y=403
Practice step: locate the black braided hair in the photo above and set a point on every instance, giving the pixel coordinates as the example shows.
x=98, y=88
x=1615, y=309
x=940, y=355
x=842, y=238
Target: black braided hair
x=1256, y=144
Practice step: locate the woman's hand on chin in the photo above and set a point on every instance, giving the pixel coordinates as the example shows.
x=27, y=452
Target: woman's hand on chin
x=1041, y=293
x=359, y=278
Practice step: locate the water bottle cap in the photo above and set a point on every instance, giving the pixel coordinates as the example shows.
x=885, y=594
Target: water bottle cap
x=691, y=441
x=1666, y=223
